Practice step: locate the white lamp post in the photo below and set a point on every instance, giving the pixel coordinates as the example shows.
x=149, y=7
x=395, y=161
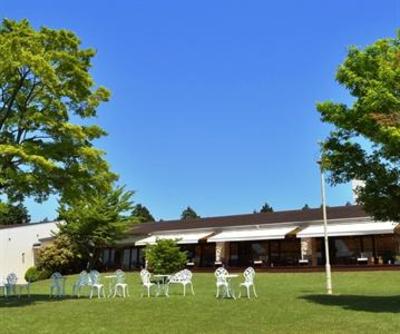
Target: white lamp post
x=327, y=258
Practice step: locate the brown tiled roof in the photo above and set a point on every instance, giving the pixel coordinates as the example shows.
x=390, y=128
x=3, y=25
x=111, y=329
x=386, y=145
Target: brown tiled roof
x=339, y=212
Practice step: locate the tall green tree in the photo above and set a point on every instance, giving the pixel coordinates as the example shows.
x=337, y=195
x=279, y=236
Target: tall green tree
x=188, y=214
x=142, y=214
x=365, y=141
x=11, y=214
x=165, y=257
x=46, y=91
x=97, y=221
x=266, y=208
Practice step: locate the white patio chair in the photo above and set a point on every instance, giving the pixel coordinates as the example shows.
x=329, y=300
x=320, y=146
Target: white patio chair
x=82, y=281
x=57, y=284
x=183, y=277
x=120, y=286
x=220, y=275
x=11, y=284
x=147, y=284
x=248, y=275
x=95, y=284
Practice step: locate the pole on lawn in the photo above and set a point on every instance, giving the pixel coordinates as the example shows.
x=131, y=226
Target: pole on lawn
x=327, y=257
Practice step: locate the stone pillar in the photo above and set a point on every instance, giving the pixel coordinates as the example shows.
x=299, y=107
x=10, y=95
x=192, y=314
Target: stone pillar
x=220, y=252
x=308, y=250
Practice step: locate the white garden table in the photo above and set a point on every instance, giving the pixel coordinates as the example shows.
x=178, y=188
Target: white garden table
x=161, y=281
x=230, y=291
x=110, y=279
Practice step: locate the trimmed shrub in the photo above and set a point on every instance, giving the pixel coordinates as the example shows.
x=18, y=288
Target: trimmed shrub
x=32, y=274
x=60, y=256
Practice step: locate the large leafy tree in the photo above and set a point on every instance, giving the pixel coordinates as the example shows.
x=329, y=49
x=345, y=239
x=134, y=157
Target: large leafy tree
x=365, y=142
x=188, y=214
x=142, y=214
x=11, y=214
x=47, y=96
x=96, y=222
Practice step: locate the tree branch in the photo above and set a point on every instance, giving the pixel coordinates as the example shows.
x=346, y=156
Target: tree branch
x=11, y=100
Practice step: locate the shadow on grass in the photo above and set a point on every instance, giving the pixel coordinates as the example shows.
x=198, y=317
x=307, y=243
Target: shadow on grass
x=14, y=301
x=373, y=304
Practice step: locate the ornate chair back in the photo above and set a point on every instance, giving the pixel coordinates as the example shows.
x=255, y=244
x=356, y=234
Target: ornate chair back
x=12, y=279
x=83, y=278
x=94, y=277
x=249, y=275
x=220, y=274
x=184, y=275
x=57, y=279
x=145, y=276
x=120, y=277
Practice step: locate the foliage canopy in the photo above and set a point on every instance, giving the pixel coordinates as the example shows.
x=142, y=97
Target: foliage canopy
x=45, y=90
x=97, y=222
x=365, y=142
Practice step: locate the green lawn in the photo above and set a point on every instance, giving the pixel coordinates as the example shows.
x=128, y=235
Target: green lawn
x=287, y=303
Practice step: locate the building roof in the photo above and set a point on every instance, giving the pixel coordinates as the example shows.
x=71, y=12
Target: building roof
x=27, y=224
x=291, y=216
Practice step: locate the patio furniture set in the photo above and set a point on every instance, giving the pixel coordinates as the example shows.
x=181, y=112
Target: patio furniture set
x=162, y=282
x=92, y=280
x=10, y=284
x=117, y=285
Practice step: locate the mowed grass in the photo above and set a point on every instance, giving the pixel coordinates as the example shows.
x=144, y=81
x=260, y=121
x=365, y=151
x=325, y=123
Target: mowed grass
x=363, y=302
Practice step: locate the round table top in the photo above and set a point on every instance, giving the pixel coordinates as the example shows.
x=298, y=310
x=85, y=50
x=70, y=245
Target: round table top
x=232, y=275
x=161, y=275
x=110, y=276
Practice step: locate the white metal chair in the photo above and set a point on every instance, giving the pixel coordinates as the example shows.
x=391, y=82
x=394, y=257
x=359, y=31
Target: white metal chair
x=95, y=284
x=82, y=281
x=57, y=284
x=11, y=284
x=220, y=275
x=248, y=275
x=147, y=284
x=120, y=286
x=183, y=277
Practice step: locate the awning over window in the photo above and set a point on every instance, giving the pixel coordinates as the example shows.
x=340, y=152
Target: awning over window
x=252, y=234
x=335, y=230
x=182, y=238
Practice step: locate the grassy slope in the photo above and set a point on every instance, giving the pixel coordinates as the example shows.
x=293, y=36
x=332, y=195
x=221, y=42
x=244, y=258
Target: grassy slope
x=287, y=303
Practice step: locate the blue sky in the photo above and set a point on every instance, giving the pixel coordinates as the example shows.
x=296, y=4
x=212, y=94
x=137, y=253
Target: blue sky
x=213, y=102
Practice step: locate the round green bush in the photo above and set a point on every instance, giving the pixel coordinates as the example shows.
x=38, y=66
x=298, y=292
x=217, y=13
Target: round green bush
x=32, y=274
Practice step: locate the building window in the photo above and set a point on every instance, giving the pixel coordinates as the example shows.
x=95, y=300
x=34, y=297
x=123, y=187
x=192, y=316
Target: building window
x=134, y=258
x=23, y=258
x=385, y=249
x=126, y=258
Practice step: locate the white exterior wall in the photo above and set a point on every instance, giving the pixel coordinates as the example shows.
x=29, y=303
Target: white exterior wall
x=16, y=246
